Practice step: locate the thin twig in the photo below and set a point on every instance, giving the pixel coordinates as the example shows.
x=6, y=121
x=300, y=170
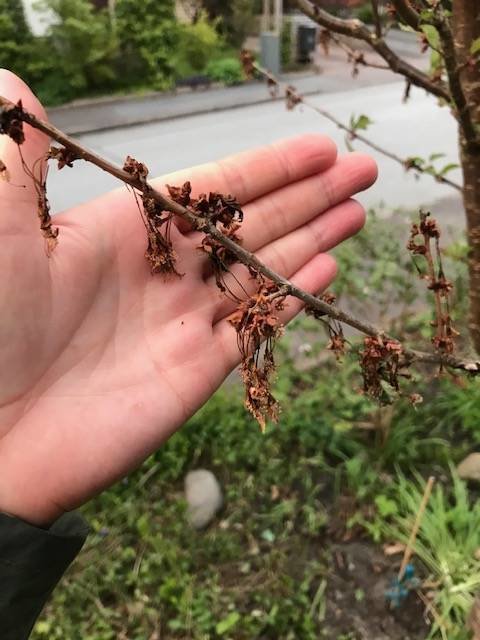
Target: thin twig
x=358, y=30
x=453, y=93
x=416, y=527
x=376, y=18
x=354, y=55
x=242, y=255
x=404, y=162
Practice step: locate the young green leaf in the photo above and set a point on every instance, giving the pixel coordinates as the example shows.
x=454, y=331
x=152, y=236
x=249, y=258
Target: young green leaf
x=475, y=47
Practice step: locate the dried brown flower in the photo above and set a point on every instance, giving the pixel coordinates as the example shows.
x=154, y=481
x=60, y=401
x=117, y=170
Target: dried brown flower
x=420, y=243
x=248, y=63
x=380, y=361
x=220, y=257
x=181, y=195
x=11, y=123
x=160, y=253
x=218, y=208
x=39, y=179
x=256, y=321
x=136, y=169
x=292, y=98
x=65, y=157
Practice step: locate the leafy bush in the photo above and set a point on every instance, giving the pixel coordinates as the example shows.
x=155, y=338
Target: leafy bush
x=78, y=54
x=199, y=43
x=15, y=37
x=226, y=70
x=148, y=36
x=365, y=13
x=235, y=19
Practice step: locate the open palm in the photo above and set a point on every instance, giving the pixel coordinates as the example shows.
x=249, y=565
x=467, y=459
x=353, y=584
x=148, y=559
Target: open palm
x=100, y=360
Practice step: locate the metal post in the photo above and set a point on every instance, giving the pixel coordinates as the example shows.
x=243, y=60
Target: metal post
x=272, y=20
x=278, y=16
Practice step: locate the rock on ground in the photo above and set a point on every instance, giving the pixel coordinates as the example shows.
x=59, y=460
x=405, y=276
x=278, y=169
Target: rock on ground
x=469, y=468
x=204, y=497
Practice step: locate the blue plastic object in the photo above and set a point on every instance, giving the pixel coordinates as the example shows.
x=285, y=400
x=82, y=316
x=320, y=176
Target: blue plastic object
x=398, y=590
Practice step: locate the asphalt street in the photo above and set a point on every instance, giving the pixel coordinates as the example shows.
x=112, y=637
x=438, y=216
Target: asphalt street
x=417, y=128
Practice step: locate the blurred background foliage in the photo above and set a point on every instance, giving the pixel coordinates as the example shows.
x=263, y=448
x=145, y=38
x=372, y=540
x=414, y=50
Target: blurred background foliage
x=88, y=51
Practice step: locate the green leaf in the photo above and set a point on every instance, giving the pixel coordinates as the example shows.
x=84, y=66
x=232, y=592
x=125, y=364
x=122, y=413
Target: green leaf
x=426, y=15
x=436, y=156
x=447, y=168
x=362, y=122
x=227, y=623
x=432, y=35
x=475, y=47
x=143, y=526
x=268, y=536
x=385, y=506
x=43, y=627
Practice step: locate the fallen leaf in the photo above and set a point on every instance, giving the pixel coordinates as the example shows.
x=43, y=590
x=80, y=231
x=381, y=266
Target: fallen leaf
x=274, y=492
x=469, y=468
x=393, y=549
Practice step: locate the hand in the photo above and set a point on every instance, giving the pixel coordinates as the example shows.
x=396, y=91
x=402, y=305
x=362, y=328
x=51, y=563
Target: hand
x=101, y=361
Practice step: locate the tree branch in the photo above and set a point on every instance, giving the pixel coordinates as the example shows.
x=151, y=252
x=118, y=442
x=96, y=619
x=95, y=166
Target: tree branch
x=354, y=55
x=407, y=163
x=243, y=256
x=358, y=30
x=376, y=17
x=453, y=69
x=407, y=13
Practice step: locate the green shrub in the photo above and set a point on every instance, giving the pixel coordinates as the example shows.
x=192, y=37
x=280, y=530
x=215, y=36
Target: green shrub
x=226, y=70
x=148, y=35
x=15, y=37
x=235, y=19
x=199, y=43
x=365, y=13
x=77, y=55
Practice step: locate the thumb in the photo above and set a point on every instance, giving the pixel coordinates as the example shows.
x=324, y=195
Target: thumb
x=19, y=188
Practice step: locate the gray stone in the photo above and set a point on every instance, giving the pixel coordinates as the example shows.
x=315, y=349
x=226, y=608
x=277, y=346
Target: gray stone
x=204, y=497
x=469, y=468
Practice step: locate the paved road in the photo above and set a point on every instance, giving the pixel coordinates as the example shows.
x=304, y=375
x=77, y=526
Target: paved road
x=419, y=128
x=335, y=75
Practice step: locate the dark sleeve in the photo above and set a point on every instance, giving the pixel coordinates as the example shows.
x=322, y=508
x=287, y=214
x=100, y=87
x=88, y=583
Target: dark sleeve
x=32, y=561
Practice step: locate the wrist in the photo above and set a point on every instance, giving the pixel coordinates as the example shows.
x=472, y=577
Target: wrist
x=29, y=510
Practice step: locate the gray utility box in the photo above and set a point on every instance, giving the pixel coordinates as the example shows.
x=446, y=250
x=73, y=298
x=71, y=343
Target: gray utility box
x=270, y=51
x=306, y=43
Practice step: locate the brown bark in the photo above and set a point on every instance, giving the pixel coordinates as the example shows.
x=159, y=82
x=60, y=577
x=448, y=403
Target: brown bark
x=466, y=29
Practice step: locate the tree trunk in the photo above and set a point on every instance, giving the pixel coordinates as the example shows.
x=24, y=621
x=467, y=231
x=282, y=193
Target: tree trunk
x=466, y=29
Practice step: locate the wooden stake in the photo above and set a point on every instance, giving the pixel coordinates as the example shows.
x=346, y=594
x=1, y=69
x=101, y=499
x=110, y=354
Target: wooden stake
x=416, y=527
